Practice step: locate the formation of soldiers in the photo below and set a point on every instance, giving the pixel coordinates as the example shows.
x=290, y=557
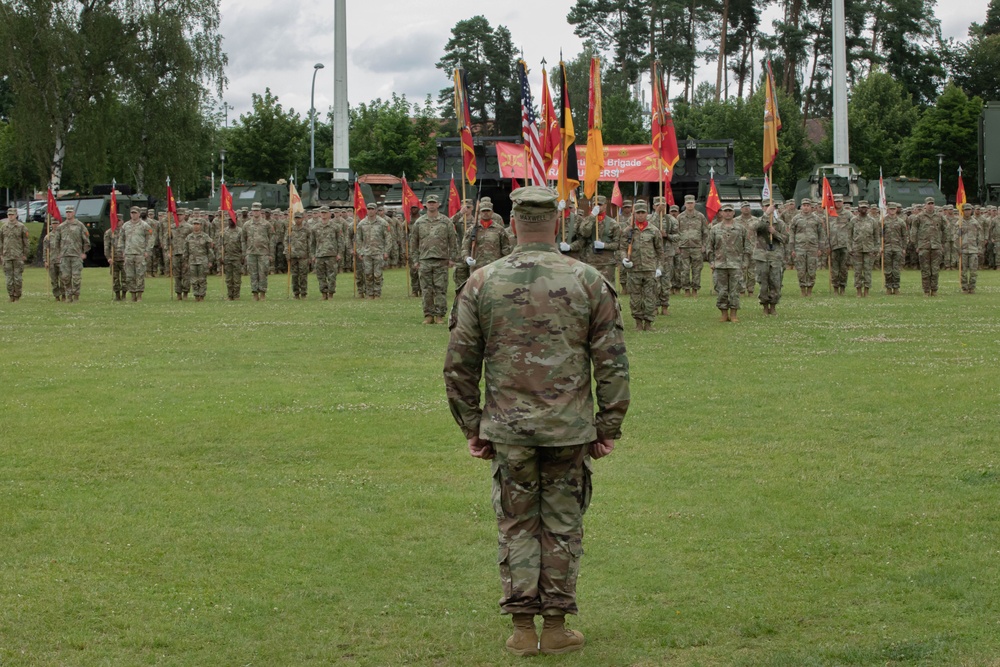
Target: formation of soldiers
x=653, y=253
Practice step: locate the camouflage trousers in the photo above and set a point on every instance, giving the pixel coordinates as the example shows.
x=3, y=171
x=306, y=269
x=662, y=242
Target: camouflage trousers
x=540, y=495
x=71, y=275
x=769, y=274
x=135, y=273
x=414, y=279
x=233, y=269
x=642, y=298
x=118, y=276
x=299, y=268
x=155, y=257
x=199, y=279
x=727, y=287
x=863, y=263
x=279, y=263
x=838, y=266
x=893, y=268
x=182, y=278
x=13, y=271
x=622, y=278
x=930, y=265
x=372, y=268
x=691, y=262
x=749, y=276
x=326, y=274
x=949, y=259
x=608, y=271
x=358, y=267
x=462, y=272
x=258, y=265
x=665, y=282
x=675, y=271
x=434, y=286
x=806, y=263
x=970, y=269
x=54, y=279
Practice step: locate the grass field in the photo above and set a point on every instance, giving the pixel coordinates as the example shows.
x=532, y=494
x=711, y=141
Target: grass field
x=281, y=483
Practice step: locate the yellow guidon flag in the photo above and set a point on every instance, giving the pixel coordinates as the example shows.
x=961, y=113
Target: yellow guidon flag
x=595, y=142
x=772, y=121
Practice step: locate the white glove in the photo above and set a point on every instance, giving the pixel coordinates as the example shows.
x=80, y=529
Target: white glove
x=562, y=205
x=658, y=274
x=470, y=261
x=598, y=245
x=564, y=246
x=627, y=263
x=595, y=211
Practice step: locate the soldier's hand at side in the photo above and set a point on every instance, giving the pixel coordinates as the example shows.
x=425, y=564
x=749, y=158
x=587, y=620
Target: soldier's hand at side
x=482, y=449
x=601, y=448
x=83, y=255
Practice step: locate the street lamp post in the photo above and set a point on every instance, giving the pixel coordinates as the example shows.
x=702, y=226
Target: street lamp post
x=222, y=156
x=940, y=157
x=312, y=120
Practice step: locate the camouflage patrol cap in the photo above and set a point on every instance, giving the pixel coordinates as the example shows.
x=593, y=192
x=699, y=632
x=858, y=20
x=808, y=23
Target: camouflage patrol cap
x=485, y=200
x=893, y=204
x=744, y=204
x=371, y=206
x=11, y=210
x=862, y=204
x=688, y=198
x=255, y=206
x=324, y=209
x=534, y=203
x=675, y=207
x=659, y=200
x=485, y=206
x=929, y=200
x=805, y=201
x=839, y=198
x=434, y=199
x=627, y=203
x=298, y=214
x=467, y=202
x=728, y=206
x=641, y=207
x=196, y=221
x=601, y=200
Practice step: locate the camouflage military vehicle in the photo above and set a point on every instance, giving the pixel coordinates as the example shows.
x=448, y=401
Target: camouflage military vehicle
x=94, y=211
x=853, y=187
x=906, y=191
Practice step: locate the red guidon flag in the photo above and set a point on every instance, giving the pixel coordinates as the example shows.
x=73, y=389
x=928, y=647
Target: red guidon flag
x=114, y=208
x=960, y=199
x=551, y=136
x=668, y=192
x=831, y=210
x=410, y=200
x=713, y=204
x=226, y=202
x=465, y=127
x=53, y=208
x=360, y=208
x=664, y=137
x=454, y=201
x=772, y=120
x=616, y=195
x=172, y=205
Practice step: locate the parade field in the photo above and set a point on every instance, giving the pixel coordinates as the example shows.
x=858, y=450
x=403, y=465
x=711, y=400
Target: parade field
x=281, y=483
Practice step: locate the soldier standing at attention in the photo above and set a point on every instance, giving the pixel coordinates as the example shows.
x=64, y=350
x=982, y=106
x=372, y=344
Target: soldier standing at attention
x=51, y=249
x=866, y=239
x=462, y=221
x=374, y=240
x=805, y=237
x=693, y=229
x=433, y=246
x=537, y=423
x=768, y=252
x=182, y=279
x=328, y=246
x=298, y=248
x=894, y=238
x=14, y=242
x=199, y=251
x=601, y=237
x=114, y=252
x=928, y=232
x=74, y=243
x=258, y=244
x=970, y=235
x=153, y=261
x=667, y=225
x=840, y=245
x=485, y=242
x=624, y=224
x=412, y=268
x=232, y=259
x=728, y=241
x=746, y=219
x=642, y=254
x=138, y=238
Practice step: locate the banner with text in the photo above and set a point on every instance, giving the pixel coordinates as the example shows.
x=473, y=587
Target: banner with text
x=623, y=163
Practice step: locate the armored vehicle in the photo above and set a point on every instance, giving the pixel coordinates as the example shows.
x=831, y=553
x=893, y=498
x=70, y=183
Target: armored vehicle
x=94, y=211
x=906, y=191
x=853, y=187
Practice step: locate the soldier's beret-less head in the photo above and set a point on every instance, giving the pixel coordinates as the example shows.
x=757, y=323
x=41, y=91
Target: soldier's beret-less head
x=534, y=204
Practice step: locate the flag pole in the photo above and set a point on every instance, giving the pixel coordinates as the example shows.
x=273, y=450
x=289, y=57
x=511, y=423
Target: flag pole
x=406, y=240
x=961, y=231
x=829, y=243
x=48, y=239
x=114, y=235
x=288, y=238
x=171, y=223
x=354, y=251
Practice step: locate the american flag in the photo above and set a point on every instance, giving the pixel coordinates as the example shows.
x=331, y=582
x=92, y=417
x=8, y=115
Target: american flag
x=529, y=128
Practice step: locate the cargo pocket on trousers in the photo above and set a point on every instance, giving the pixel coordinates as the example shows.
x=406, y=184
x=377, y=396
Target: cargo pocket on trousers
x=496, y=494
x=588, y=484
x=503, y=562
x=575, y=549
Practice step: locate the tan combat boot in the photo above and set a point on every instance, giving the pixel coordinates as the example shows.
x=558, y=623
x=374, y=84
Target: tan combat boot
x=524, y=641
x=438, y=319
x=809, y=291
x=557, y=639
x=694, y=294
x=866, y=292
x=803, y=290
x=732, y=315
x=638, y=324
x=725, y=315
x=429, y=319
x=687, y=292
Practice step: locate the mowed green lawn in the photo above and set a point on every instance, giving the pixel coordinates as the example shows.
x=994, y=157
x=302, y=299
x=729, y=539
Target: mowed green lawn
x=281, y=483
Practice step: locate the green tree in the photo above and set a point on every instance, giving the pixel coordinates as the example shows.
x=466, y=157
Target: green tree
x=881, y=116
x=268, y=143
x=950, y=128
x=393, y=137
x=618, y=26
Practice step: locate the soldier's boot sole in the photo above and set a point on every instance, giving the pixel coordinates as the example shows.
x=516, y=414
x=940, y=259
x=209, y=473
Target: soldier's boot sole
x=732, y=315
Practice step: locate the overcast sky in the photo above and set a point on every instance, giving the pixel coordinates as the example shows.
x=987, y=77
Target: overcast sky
x=393, y=45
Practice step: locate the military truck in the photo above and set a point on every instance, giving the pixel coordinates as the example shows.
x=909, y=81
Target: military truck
x=989, y=154
x=906, y=191
x=853, y=187
x=94, y=211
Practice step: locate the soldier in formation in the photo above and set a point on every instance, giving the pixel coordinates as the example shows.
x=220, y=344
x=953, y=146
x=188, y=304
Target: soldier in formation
x=233, y=258
x=138, y=238
x=600, y=237
x=433, y=247
x=484, y=242
x=199, y=252
x=642, y=256
x=805, y=237
x=746, y=219
x=667, y=224
x=728, y=245
x=258, y=246
x=329, y=244
x=866, y=240
x=894, y=244
x=182, y=279
x=970, y=239
x=50, y=248
x=299, y=241
x=73, y=244
x=928, y=231
x=374, y=239
x=840, y=245
x=462, y=221
x=769, y=236
x=692, y=226
x=114, y=251
x=14, y=243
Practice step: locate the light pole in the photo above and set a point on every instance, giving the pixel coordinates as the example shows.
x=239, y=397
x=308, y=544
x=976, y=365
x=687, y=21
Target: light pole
x=222, y=156
x=312, y=120
x=940, y=157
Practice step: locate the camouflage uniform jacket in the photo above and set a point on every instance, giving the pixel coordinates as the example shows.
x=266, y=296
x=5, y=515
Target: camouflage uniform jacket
x=138, y=237
x=114, y=241
x=866, y=234
x=327, y=239
x=806, y=233
x=647, y=247
x=535, y=322
x=894, y=233
x=51, y=244
x=14, y=240
x=971, y=234
x=374, y=238
x=198, y=248
x=693, y=229
x=433, y=238
x=492, y=243
x=928, y=231
x=74, y=239
x=460, y=222
x=667, y=225
x=163, y=228
x=179, y=234
x=840, y=232
x=608, y=233
x=728, y=245
x=299, y=242
x=768, y=246
x=232, y=244
x=258, y=238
